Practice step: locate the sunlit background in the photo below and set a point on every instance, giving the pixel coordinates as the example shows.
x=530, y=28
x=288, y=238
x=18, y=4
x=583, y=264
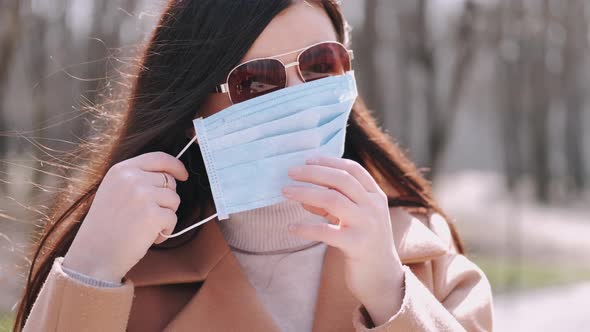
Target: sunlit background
x=489, y=98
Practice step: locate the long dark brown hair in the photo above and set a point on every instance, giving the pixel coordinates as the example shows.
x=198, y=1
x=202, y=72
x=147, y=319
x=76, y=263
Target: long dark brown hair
x=191, y=50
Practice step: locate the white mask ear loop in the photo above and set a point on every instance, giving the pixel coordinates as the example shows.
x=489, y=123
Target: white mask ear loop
x=198, y=223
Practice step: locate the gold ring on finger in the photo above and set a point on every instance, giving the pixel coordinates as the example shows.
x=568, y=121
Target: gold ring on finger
x=165, y=180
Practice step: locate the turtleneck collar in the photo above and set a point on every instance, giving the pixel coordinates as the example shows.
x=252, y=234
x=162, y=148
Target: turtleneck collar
x=265, y=229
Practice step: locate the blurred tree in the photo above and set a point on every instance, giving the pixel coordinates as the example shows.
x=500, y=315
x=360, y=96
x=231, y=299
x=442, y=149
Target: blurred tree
x=107, y=24
x=574, y=82
x=10, y=28
x=539, y=81
x=405, y=29
x=508, y=40
x=442, y=114
x=440, y=98
x=365, y=42
x=36, y=68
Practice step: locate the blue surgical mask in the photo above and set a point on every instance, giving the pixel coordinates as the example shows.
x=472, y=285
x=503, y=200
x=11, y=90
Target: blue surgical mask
x=249, y=147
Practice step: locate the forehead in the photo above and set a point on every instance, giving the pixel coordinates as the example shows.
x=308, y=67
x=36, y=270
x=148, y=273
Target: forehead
x=300, y=25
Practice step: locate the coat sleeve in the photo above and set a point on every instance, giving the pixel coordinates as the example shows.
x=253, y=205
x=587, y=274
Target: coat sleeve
x=67, y=304
x=461, y=298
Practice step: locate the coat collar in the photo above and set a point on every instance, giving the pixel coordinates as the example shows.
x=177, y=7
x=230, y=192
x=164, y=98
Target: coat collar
x=226, y=289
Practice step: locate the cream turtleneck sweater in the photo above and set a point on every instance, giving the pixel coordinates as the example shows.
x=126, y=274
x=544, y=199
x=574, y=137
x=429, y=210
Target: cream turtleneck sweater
x=284, y=269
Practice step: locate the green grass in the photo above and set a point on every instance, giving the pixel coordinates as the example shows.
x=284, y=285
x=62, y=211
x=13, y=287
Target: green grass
x=506, y=275
x=5, y=323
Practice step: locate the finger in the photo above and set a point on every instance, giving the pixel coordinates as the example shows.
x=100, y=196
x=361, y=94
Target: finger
x=352, y=167
x=160, y=162
x=331, y=177
x=321, y=212
x=157, y=179
x=166, y=198
x=167, y=221
x=332, y=235
x=330, y=200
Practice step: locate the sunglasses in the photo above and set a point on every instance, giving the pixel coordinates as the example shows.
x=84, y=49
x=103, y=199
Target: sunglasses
x=260, y=76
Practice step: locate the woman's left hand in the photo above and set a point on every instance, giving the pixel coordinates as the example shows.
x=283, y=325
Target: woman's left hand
x=359, y=226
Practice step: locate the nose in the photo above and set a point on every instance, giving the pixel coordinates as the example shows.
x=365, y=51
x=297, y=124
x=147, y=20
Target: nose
x=293, y=75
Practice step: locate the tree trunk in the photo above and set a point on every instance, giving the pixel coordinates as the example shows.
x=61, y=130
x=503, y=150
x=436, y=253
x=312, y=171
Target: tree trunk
x=8, y=45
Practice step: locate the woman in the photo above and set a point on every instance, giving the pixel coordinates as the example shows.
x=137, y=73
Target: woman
x=281, y=140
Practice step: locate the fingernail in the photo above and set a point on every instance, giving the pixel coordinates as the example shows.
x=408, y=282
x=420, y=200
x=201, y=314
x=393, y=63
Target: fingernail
x=292, y=227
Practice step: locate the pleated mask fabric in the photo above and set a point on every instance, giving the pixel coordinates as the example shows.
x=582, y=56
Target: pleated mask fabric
x=249, y=147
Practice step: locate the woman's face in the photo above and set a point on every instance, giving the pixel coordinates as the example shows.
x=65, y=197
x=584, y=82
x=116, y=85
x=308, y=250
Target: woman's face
x=298, y=26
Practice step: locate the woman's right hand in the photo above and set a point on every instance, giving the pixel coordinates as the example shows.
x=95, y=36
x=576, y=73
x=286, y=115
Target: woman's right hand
x=129, y=210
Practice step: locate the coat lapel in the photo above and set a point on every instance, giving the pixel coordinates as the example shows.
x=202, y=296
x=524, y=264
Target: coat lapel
x=335, y=303
x=227, y=301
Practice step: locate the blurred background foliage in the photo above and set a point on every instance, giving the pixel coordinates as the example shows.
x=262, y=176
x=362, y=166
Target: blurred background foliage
x=488, y=97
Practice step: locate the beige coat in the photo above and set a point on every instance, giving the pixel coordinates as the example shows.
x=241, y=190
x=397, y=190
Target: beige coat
x=201, y=287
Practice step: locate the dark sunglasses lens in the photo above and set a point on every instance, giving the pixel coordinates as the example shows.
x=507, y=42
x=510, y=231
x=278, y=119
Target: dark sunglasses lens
x=323, y=60
x=256, y=78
